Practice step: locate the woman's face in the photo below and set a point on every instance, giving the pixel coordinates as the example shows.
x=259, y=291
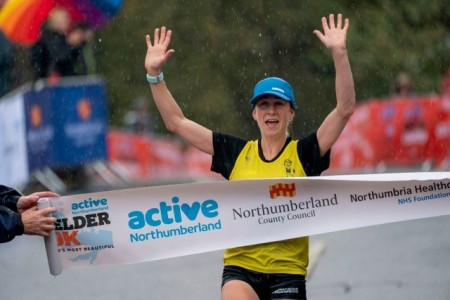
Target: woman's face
x=273, y=115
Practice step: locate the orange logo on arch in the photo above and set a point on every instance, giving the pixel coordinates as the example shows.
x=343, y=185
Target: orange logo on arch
x=84, y=109
x=35, y=115
x=282, y=190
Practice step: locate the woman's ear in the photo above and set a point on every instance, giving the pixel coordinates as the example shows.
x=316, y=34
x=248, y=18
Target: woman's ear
x=292, y=115
x=254, y=115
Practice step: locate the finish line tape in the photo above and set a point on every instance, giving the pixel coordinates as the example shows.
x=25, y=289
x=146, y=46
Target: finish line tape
x=146, y=224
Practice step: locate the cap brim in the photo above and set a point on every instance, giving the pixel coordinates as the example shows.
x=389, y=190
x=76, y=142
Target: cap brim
x=274, y=93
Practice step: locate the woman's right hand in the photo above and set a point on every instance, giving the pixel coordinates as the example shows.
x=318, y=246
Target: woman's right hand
x=157, y=53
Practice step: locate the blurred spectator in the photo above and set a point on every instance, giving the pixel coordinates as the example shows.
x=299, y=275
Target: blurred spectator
x=445, y=85
x=80, y=39
x=6, y=60
x=402, y=86
x=89, y=52
x=139, y=119
x=51, y=55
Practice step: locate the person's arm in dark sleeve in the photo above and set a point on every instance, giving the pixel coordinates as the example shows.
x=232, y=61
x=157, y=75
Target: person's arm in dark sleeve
x=9, y=197
x=10, y=224
x=10, y=220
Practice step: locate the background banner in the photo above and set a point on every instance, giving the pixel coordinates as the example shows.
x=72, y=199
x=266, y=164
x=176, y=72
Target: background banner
x=145, y=224
x=66, y=125
x=52, y=126
x=404, y=132
x=13, y=146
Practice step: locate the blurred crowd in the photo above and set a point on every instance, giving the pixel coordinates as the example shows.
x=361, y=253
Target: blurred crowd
x=63, y=49
x=66, y=49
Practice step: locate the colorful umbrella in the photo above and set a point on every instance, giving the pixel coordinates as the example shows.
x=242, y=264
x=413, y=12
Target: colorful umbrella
x=21, y=20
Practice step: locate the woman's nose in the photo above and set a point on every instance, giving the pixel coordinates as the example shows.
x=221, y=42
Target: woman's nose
x=271, y=108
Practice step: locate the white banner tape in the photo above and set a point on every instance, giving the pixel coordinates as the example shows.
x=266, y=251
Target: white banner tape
x=145, y=224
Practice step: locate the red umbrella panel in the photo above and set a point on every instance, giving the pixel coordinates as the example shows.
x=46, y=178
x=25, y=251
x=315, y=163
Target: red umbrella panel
x=21, y=20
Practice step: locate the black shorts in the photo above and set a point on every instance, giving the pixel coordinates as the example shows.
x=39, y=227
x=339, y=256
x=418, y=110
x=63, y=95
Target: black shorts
x=268, y=286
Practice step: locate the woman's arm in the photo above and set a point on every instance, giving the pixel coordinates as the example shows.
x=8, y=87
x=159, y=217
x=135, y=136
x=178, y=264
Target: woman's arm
x=334, y=38
x=174, y=119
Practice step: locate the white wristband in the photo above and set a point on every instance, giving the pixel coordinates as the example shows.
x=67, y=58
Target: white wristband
x=153, y=79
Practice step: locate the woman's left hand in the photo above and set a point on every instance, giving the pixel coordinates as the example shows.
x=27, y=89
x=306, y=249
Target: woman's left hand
x=334, y=34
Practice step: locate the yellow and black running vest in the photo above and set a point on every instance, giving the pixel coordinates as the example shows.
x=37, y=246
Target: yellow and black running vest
x=237, y=159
